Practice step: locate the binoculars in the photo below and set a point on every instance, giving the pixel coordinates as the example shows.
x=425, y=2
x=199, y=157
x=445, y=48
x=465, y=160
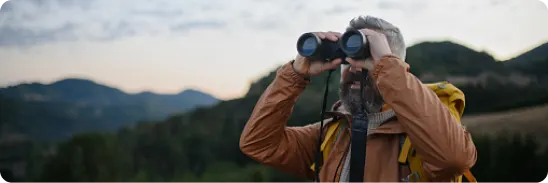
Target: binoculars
x=352, y=44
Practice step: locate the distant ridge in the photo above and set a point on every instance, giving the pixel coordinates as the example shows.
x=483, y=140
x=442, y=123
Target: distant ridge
x=82, y=104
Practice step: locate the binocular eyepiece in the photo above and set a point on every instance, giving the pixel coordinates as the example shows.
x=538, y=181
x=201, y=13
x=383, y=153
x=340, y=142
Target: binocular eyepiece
x=352, y=44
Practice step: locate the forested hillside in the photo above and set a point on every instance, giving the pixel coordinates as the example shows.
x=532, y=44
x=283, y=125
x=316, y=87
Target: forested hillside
x=56, y=111
x=202, y=144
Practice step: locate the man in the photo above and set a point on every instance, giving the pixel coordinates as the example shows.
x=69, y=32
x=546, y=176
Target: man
x=444, y=146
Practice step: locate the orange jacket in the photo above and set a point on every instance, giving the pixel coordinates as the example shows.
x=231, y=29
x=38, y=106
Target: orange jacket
x=444, y=146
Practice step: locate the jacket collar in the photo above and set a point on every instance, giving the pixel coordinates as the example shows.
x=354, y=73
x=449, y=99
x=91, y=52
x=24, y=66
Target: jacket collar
x=338, y=112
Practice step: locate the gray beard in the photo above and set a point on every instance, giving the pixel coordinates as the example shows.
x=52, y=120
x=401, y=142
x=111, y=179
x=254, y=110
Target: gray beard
x=352, y=102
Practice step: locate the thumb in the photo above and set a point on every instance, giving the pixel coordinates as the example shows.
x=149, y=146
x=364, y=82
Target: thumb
x=333, y=64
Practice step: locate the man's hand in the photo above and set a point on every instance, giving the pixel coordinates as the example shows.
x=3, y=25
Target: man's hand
x=308, y=67
x=378, y=47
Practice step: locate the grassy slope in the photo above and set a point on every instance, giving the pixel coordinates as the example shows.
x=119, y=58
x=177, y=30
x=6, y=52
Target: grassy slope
x=529, y=120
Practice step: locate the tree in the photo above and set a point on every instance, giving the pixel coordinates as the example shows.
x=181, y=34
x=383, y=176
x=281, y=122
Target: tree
x=88, y=157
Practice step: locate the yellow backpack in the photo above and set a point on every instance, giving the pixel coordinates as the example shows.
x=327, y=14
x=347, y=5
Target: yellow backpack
x=449, y=95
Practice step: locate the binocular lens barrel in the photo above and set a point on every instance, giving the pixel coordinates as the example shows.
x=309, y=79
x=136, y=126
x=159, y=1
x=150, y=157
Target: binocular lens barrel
x=352, y=44
x=355, y=45
x=309, y=45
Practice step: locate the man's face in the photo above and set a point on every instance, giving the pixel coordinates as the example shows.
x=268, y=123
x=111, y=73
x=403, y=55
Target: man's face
x=350, y=91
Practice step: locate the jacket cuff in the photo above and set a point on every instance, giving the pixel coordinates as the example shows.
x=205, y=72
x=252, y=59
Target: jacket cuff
x=288, y=73
x=388, y=70
x=388, y=63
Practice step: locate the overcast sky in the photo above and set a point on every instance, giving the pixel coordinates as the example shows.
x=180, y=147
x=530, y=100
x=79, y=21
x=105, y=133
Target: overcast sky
x=221, y=46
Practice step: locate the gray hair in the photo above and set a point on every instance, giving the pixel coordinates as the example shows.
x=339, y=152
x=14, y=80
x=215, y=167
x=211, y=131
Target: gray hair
x=392, y=33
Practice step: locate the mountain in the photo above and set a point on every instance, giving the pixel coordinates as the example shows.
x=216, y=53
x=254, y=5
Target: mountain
x=530, y=57
x=202, y=143
x=60, y=109
x=489, y=85
x=446, y=58
x=72, y=90
x=164, y=105
x=533, y=62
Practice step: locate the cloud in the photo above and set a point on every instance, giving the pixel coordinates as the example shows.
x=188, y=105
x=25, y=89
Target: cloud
x=198, y=25
x=27, y=23
x=43, y=21
x=12, y=36
x=31, y=22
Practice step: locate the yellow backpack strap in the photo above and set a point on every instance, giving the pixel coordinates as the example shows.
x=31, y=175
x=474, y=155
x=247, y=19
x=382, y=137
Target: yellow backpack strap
x=469, y=176
x=454, y=99
x=404, y=151
x=408, y=155
x=329, y=139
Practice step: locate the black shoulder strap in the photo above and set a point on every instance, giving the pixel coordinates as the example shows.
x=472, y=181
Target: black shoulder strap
x=360, y=124
x=358, y=148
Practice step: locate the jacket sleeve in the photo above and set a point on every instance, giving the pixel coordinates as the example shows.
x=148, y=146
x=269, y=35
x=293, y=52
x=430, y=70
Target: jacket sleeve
x=445, y=146
x=267, y=139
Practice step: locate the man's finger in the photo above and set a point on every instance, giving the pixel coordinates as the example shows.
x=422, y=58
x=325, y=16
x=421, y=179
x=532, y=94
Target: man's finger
x=362, y=64
x=320, y=35
x=352, y=61
x=368, y=32
x=333, y=64
x=331, y=36
x=356, y=63
x=338, y=34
